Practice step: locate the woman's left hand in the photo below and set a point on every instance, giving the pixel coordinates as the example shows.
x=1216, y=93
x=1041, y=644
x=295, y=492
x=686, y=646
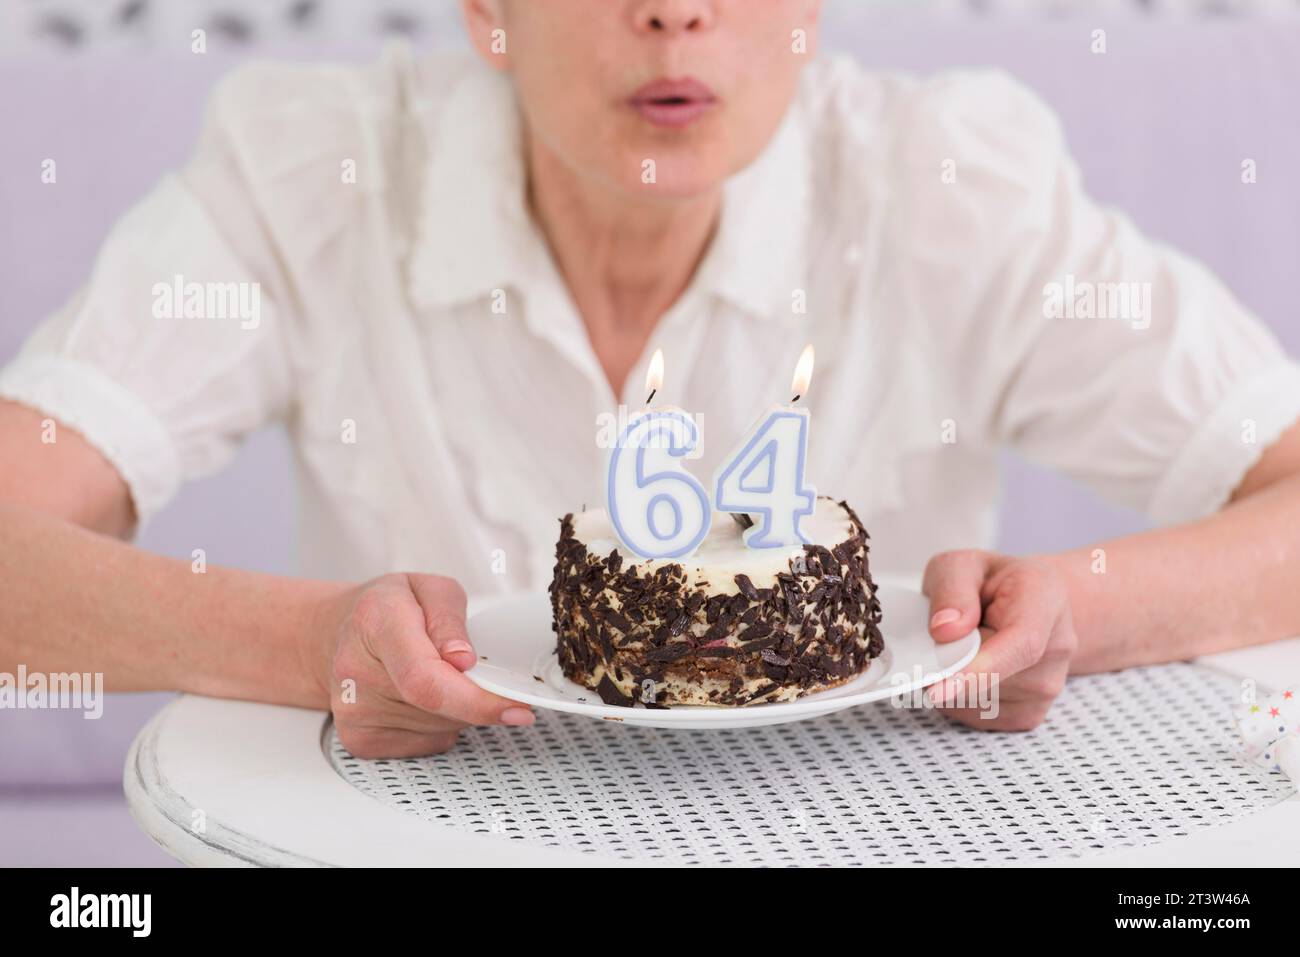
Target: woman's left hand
x=1022, y=609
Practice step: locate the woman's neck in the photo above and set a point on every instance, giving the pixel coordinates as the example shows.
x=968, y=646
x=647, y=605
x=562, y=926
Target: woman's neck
x=624, y=261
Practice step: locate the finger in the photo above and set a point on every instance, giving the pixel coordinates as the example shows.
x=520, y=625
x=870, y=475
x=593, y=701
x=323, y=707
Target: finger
x=443, y=602
x=953, y=581
x=1012, y=716
x=395, y=713
x=454, y=696
x=1015, y=647
x=1038, y=685
x=395, y=742
x=424, y=680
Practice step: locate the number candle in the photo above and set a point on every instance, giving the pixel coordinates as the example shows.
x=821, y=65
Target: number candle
x=657, y=508
x=764, y=478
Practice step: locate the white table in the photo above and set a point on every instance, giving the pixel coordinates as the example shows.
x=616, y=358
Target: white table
x=233, y=783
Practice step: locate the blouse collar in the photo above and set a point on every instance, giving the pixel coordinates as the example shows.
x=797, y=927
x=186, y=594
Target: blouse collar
x=475, y=235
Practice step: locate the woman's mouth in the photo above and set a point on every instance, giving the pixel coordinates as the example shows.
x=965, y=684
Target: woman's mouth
x=673, y=103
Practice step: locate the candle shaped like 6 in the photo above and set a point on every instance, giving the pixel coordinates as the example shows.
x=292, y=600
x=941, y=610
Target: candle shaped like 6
x=657, y=508
x=764, y=478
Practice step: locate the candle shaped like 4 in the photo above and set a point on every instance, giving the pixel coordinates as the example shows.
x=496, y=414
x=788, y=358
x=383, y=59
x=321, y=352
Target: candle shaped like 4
x=764, y=478
x=657, y=508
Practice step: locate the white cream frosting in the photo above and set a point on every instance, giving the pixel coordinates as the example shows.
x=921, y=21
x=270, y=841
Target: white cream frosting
x=723, y=553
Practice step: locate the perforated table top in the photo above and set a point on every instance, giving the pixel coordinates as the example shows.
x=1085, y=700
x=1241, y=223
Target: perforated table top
x=1123, y=760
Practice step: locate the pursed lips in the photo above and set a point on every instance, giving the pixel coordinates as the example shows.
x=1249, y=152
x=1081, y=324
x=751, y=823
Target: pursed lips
x=673, y=102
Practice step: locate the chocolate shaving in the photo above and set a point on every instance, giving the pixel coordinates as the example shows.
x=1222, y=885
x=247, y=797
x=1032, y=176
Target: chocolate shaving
x=668, y=652
x=717, y=651
x=618, y=620
x=610, y=694
x=761, y=691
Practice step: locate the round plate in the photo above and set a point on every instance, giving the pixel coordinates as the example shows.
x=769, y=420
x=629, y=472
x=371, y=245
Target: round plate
x=516, y=651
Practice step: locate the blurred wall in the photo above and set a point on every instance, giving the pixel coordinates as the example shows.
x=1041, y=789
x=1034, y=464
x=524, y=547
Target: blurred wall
x=155, y=24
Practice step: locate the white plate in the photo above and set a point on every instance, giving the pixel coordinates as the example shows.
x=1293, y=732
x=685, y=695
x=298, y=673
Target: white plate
x=516, y=650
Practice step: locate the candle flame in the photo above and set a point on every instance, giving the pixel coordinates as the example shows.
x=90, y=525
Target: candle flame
x=654, y=376
x=802, y=372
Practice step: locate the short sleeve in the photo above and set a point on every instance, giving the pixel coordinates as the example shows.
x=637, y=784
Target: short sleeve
x=1079, y=342
x=174, y=349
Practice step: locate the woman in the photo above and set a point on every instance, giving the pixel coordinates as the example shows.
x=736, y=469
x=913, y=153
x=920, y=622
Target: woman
x=448, y=270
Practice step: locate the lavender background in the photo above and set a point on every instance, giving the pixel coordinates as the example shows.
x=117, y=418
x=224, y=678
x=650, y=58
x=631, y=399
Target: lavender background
x=1160, y=125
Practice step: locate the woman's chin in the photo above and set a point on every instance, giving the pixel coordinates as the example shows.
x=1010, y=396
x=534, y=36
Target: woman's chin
x=673, y=178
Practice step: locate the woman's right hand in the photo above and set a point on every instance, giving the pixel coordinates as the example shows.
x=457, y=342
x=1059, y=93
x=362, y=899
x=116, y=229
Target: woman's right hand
x=395, y=664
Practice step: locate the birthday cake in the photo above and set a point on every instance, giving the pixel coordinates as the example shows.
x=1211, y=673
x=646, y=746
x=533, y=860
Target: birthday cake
x=728, y=626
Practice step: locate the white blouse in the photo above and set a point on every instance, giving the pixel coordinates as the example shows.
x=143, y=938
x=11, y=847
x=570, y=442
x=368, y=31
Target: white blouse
x=930, y=237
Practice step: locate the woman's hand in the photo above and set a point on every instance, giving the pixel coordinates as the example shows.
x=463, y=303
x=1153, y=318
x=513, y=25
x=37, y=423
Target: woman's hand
x=1023, y=611
x=394, y=669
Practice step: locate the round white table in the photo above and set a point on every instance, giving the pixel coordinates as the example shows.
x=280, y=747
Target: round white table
x=234, y=783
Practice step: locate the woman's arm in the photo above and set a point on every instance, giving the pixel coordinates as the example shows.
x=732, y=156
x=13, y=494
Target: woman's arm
x=75, y=599
x=1224, y=582
x=78, y=600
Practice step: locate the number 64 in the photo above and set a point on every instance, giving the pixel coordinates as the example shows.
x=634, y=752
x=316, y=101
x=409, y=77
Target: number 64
x=659, y=510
